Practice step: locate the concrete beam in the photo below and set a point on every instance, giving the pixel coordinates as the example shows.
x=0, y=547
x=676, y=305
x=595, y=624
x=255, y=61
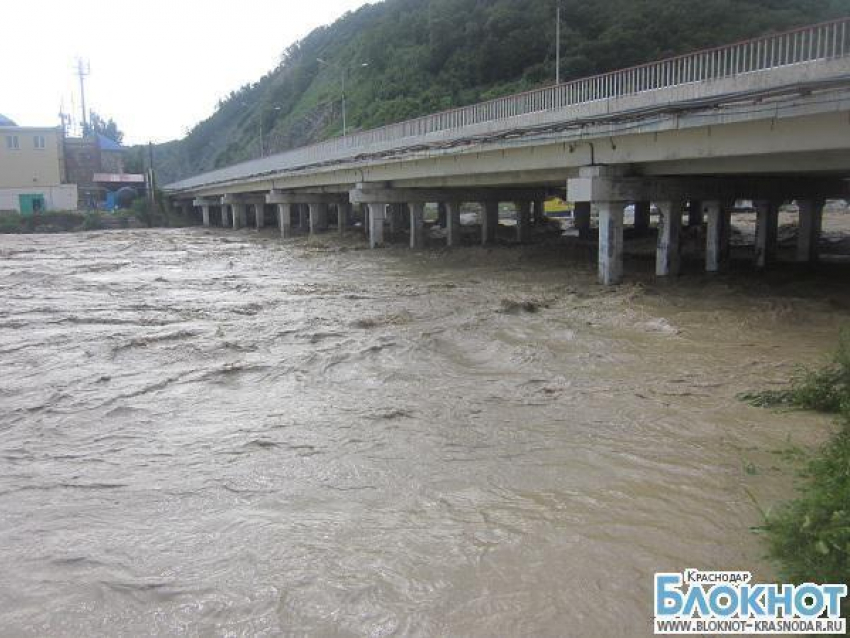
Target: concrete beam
x=429, y=195
x=277, y=197
x=242, y=198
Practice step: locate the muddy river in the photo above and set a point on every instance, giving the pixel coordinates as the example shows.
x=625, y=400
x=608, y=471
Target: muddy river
x=217, y=433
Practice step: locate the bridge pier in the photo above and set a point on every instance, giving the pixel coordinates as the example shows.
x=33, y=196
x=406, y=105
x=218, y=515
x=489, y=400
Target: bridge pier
x=259, y=216
x=667, y=260
x=377, y=215
x=452, y=223
x=767, y=228
x=204, y=205
x=318, y=218
x=719, y=228
x=490, y=222
x=809, y=229
x=417, y=225
x=284, y=220
x=342, y=216
x=523, y=221
x=610, y=241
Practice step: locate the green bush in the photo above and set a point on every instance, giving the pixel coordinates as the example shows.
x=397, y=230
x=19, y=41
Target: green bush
x=92, y=221
x=810, y=536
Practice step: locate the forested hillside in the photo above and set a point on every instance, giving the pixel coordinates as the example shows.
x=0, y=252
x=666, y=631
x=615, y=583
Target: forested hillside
x=427, y=55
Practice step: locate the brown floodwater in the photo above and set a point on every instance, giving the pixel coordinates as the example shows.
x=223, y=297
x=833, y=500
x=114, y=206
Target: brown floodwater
x=217, y=433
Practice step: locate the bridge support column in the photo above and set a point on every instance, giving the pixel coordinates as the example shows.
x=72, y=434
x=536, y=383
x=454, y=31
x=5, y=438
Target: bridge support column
x=767, y=228
x=205, y=215
x=240, y=216
x=610, y=241
x=642, y=217
x=716, y=216
x=523, y=221
x=452, y=223
x=581, y=219
x=667, y=261
x=342, y=215
x=417, y=225
x=377, y=215
x=318, y=218
x=490, y=222
x=695, y=213
x=539, y=212
x=442, y=216
x=259, y=216
x=225, y=217
x=284, y=220
x=303, y=217
x=809, y=229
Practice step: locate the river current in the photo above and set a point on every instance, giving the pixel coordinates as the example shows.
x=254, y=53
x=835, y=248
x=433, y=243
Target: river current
x=214, y=433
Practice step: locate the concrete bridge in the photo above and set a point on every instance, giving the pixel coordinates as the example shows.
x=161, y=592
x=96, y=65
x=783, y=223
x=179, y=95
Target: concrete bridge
x=766, y=119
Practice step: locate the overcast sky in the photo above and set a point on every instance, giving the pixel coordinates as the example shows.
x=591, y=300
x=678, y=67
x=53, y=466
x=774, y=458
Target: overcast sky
x=157, y=67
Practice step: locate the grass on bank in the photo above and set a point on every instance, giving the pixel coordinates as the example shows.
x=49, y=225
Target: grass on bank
x=810, y=536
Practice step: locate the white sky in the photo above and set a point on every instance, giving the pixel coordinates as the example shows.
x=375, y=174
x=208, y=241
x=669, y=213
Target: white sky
x=157, y=66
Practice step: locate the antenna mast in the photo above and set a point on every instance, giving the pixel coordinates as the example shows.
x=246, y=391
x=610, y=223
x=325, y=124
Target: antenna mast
x=83, y=71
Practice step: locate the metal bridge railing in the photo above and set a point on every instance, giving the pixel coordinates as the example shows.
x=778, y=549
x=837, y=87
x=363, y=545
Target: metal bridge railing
x=823, y=41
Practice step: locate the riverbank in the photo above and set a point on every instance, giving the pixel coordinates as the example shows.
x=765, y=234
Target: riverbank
x=216, y=431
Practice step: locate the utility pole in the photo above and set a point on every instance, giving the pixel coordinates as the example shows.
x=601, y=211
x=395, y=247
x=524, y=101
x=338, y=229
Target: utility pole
x=558, y=43
x=343, y=71
x=83, y=70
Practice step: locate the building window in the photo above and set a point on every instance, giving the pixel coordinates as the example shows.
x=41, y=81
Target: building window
x=38, y=142
x=12, y=142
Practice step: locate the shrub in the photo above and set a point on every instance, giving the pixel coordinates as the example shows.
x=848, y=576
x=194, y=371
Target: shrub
x=92, y=221
x=810, y=536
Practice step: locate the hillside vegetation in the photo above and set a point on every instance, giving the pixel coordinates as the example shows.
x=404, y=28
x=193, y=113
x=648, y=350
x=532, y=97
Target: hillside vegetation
x=428, y=55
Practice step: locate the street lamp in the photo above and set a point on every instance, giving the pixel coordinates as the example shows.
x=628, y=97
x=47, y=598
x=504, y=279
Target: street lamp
x=343, y=70
x=274, y=107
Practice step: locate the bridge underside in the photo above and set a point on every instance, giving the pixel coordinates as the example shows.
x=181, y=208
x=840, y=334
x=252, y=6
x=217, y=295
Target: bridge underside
x=773, y=148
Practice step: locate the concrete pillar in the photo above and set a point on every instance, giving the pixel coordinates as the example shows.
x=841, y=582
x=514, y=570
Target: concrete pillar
x=667, y=261
x=581, y=218
x=187, y=210
x=713, y=236
x=442, y=217
x=642, y=217
x=342, y=215
x=417, y=225
x=225, y=218
x=259, y=215
x=610, y=241
x=364, y=210
x=695, y=213
x=284, y=220
x=767, y=228
x=490, y=222
x=205, y=215
x=318, y=218
x=377, y=215
x=523, y=221
x=240, y=215
x=396, y=214
x=452, y=223
x=303, y=217
x=809, y=229
x=539, y=212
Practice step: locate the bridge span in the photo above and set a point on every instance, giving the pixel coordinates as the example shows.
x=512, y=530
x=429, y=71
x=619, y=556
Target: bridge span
x=766, y=119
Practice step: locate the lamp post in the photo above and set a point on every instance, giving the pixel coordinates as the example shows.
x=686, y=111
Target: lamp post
x=343, y=72
x=558, y=43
